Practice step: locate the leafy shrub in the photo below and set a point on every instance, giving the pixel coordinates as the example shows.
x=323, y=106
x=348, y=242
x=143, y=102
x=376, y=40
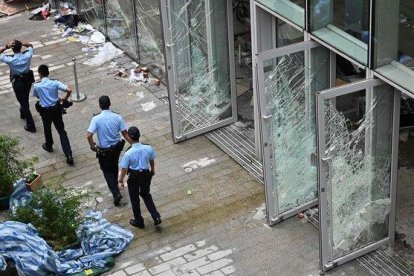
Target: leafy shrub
x=55, y=211
x=11, y=168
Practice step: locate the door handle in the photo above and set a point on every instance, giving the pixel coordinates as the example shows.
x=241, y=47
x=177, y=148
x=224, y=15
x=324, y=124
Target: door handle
x=266, y=117
x=326, y=159
x=170, y=45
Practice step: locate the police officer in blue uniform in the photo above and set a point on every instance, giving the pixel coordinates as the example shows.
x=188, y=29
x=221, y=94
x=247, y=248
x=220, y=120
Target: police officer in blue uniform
x=47, y=91
x=108, y=125
x=21, y=77
x=139, y=161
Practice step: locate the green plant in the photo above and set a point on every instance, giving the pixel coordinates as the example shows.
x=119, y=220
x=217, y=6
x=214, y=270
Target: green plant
x=55, y=210
x=11, y=168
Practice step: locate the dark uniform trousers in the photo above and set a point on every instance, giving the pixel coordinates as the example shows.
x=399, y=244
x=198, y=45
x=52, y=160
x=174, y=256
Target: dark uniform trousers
x=22, y=90
x=54, y=115
x=108, y=161
x=139, y=183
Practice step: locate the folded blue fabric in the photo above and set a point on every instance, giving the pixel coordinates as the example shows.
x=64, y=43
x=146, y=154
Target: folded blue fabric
x=33, y=256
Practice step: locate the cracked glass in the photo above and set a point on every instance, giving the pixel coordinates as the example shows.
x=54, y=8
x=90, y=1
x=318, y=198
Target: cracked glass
x=93, y=12
x=290, y=83
x=200, y=60
x=358, y=153
x=121, y=25
x=150, y=42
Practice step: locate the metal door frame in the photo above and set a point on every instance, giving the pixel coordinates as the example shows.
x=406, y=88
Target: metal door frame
x=170, y=54
x=273, y=214
x=326, y=262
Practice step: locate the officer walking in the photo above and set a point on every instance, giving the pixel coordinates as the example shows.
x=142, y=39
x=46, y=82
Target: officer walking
x=50, y=110
x=108, y=125
x=21, y=77
x=138, y=160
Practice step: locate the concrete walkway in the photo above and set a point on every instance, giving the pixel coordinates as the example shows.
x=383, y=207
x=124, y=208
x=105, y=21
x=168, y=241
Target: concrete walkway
x=217, y=230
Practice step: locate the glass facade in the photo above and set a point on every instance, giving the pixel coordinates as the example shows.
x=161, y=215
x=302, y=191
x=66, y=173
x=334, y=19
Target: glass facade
x=393, y=25
x=93, y=12
x=201, y=63
x=344, y=24
x=292, y=10
x=121, y=25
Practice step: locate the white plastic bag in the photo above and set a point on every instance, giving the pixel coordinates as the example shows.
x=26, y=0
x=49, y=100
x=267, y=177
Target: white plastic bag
x=106, y=53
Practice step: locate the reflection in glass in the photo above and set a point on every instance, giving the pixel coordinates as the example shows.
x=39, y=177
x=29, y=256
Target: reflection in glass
x=291, y=128
x=150, y=43
x=121, y=25
x=394, y=41
x=293, y=10
x=201, y=62
x=344, y=24
x=358, y=150
x=93, y=12
x=286, y=34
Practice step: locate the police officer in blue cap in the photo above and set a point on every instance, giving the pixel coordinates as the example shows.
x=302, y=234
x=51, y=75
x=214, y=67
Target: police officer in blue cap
x=108, y=125
x=47, y=91
x=21, y=77
x=139, y=161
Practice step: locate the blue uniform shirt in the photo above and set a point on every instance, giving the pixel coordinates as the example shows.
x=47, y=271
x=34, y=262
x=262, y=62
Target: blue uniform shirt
x=48, y=91
x=138, y=157
x=19, y=63
x=108, y=125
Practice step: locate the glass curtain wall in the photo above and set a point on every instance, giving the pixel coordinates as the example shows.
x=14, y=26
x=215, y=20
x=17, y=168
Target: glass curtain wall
x=93, y=12
x=150, y=41
x=121, y=29
x=293, y=10
x=344, y=24
x=394, y=41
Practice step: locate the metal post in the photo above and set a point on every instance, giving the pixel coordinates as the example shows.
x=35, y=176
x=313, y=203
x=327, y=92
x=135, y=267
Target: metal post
x=79, y=96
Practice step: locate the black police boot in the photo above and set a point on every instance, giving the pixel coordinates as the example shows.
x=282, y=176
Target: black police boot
x=136, y=223
x=46, y=148
x=69, y=159
x=117, y=200
x=30, y=129
x=157, y=221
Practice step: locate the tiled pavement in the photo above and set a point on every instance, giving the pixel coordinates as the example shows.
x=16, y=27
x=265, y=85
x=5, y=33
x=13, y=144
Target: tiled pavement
x=218, y=229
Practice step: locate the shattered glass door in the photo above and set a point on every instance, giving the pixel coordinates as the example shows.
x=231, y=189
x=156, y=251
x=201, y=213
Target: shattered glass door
x=200, y=70
x=150, y=41
x=121, y=27
x=93, y=13
x=355, y=133
x=288, y=79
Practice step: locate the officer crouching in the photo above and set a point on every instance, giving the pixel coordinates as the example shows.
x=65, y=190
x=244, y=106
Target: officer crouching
x=138, y=160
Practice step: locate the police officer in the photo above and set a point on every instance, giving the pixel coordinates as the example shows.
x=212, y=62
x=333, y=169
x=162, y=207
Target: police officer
x=108, y=125
x=138, y=160
x=50, y=110
x=21, y=77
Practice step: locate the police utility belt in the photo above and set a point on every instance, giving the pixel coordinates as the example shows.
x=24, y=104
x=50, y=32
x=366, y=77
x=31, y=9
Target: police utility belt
x=115, y=148
x=27, y=77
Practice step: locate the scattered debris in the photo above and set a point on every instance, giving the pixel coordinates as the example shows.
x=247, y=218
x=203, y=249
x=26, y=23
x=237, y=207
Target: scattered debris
x=195, y=164
x=148, y=106
x=106, y=53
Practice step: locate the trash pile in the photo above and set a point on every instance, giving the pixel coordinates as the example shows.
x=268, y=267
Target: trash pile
x=68, y=24
x=137, y=76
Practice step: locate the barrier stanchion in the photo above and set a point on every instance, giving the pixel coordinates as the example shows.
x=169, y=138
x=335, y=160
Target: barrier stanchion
x=78, y=97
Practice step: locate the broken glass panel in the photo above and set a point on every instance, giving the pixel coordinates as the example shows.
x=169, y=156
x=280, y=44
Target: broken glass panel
x=358, y=150
x=290, y=97
x=121, y=25
x=93, y=12
x=150, y=42
x=201, y=63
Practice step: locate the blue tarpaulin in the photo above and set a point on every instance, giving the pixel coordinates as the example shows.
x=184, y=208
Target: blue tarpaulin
x=33, y=256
